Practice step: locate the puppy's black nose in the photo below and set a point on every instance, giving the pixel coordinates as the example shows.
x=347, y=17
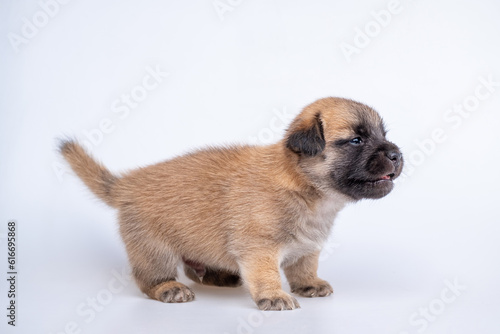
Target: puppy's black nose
x=394, y=156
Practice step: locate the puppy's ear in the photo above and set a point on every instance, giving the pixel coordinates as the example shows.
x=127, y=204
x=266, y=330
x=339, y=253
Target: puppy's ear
x=306, y=137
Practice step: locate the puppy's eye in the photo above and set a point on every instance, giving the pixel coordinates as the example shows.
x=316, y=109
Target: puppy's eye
x=356, y=141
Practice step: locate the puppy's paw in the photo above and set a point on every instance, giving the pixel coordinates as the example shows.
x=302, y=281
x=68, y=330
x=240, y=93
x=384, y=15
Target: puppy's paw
x=315, y=289
x=279, y=302
x=173, y=292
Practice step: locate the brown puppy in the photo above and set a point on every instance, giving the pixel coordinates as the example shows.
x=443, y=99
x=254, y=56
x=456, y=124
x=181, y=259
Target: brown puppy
x=237, y=214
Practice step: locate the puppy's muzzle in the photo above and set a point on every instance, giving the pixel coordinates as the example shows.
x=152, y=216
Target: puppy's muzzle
x=395, y=156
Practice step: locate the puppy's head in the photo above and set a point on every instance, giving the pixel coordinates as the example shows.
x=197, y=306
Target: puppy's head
x=341, y=145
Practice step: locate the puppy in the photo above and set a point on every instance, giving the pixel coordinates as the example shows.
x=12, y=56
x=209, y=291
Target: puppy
x=238, y=214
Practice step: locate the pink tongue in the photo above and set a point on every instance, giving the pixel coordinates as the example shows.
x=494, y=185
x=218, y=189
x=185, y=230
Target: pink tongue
x=387, y=177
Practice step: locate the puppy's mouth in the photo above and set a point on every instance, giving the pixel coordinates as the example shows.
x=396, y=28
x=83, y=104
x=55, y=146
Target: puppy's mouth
x=371, y=187
x=384, y=179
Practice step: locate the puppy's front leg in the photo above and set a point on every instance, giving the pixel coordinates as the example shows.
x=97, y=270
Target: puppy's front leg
x=260, y=272
x=303, y=279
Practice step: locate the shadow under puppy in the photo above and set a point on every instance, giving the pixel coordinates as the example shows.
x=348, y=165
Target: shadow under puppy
x=237, y=214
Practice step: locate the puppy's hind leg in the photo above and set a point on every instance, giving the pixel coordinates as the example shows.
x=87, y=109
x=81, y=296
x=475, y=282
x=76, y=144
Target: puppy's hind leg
x=154, y=263
x=155, y=272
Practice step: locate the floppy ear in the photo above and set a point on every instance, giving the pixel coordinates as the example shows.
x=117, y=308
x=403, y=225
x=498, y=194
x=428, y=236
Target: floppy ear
x=306, y=137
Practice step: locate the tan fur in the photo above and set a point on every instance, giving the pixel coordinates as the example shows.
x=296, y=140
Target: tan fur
x=241, y=210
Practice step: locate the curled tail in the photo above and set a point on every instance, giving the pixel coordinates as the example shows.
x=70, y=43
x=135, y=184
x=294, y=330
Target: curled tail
x=97, y=177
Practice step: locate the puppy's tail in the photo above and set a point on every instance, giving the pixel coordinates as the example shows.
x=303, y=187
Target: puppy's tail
x=97, y=177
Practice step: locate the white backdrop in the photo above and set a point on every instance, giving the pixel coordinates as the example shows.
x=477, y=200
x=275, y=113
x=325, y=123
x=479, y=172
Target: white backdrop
x=144, y=81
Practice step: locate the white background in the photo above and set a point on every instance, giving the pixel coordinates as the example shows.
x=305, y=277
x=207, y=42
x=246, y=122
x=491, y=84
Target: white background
x=230, y=74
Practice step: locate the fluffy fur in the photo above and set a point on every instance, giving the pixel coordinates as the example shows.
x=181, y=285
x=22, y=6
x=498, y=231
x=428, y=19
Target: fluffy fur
x=237, y=214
